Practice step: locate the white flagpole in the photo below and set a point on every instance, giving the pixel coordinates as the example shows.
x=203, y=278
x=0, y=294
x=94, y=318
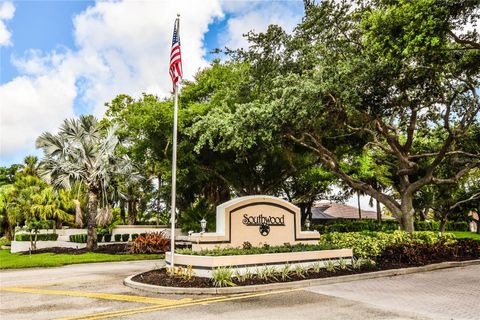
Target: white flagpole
x=174, y=178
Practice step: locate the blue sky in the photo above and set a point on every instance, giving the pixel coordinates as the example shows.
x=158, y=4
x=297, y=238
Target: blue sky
x=60, y=59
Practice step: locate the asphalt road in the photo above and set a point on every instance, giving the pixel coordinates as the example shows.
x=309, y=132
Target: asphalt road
x=95, y=291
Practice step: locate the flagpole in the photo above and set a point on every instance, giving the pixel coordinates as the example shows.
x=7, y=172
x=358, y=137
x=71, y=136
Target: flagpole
x=174, y=178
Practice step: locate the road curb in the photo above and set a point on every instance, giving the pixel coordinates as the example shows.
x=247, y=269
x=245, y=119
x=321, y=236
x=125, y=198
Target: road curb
x=295, y=284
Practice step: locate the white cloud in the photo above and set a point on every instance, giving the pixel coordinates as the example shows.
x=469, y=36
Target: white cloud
x=7, y=10
x=257, y=16
x=123, y=47
x=33, y=105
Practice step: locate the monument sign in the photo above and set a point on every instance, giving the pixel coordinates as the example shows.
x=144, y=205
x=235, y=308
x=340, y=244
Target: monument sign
x=258, y=220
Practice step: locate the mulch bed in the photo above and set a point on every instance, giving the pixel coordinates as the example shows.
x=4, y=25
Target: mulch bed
x=161, y=278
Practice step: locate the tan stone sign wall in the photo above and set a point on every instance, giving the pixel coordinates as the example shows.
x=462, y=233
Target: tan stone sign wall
x=257, y=219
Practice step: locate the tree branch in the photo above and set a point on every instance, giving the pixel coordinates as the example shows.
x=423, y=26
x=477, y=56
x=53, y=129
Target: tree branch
x=410, y=130
x=432, y=154
x=457, y=176
x=329, y=159
x=474, y=44
x=473, y=197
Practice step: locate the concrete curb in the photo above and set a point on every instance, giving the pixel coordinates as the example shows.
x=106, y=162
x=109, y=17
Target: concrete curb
x=295, y=284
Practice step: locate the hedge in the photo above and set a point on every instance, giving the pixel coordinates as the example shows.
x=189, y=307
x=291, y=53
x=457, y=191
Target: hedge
x=247, y=250
x=369, y=244
x=386, y=225
x=40, y=237
x=78, y=238
x=357, y=225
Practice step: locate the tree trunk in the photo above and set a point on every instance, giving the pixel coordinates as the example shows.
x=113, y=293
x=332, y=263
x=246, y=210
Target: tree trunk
x=407, y=213
x=359, y=209
x=309, y=211
x=131, y=212
x=8, y=228
x=443, y=223
x=78, y=214
x=122, y=211
x=303, y=212
x=92, y=221
x=379, y=211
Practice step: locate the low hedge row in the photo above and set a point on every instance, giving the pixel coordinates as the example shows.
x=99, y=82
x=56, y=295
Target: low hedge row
x=78, y=238
x=370, y=244
x=40, y=237
x=259, y=250
x=386, y=225
x=357, y=225
x=118, y=237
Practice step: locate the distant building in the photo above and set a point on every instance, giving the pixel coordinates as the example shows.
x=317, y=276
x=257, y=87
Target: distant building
x=331, y=210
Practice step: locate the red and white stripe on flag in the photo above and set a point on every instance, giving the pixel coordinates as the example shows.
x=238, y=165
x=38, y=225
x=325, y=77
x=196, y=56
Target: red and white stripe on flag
x=175, y=55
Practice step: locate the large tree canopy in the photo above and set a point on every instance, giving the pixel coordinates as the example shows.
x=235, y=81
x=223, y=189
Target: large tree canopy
x=395, y=79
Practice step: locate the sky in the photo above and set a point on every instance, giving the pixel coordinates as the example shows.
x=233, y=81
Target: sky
x=60, y=59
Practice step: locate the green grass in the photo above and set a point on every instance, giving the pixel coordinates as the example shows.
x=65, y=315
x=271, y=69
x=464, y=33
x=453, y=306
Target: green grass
x=466, y=235
x=16, y=260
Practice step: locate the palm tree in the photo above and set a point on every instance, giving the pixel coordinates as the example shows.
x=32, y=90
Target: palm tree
x=82, y=151
x=53, y=204
x=30, y=165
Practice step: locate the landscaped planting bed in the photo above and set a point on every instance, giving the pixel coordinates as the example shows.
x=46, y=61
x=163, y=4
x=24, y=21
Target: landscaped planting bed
x=117, y=248
x=392, y=256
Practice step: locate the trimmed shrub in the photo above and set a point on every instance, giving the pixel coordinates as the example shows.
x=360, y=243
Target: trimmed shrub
x=99, y=237
x=125, y=237
x=118, y=237
x=369, y=244
x=134, y=236
x=386, y=225
x=356, y=226
x=152, y=242
x=40, y=237
x=258, y=250
x=107, y=237
x=78, y=238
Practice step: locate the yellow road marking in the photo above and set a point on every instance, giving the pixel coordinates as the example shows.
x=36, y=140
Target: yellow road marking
x=127, y=312
x=107, y=296
x=158, y=303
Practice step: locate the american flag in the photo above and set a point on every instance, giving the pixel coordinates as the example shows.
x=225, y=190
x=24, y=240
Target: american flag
x=175, y=56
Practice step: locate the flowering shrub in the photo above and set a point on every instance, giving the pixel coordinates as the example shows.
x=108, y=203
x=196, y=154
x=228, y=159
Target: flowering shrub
x=151, y=242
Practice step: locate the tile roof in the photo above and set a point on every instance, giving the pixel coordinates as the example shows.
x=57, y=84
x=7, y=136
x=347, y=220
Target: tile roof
x=327, y=210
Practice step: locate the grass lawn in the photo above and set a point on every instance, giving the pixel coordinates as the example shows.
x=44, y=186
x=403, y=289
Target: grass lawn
x=15, y=260
x=466, y=235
